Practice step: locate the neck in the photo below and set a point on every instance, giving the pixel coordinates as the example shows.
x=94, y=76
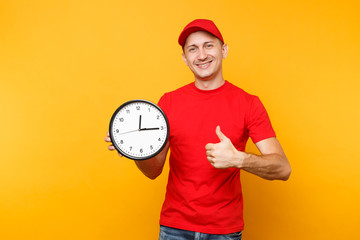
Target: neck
x=210, y=84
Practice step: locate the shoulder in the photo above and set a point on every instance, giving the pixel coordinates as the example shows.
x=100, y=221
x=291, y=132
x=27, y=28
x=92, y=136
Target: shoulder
x=238, y=92
x=177, y=92
x=180, y=90
x=169, y=97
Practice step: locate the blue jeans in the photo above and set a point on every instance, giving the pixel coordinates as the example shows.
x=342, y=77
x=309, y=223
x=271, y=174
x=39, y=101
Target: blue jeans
x=167, y=233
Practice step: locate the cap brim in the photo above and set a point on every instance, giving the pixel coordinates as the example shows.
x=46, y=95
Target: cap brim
x=183, y=36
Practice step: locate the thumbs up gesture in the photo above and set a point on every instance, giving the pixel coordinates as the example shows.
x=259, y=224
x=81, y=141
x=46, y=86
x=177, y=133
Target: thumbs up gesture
x=223, y=154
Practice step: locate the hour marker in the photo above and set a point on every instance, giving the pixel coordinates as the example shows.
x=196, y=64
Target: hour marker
x=140, y=131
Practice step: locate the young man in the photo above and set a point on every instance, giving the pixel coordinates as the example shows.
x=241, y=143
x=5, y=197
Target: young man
x=210, y=122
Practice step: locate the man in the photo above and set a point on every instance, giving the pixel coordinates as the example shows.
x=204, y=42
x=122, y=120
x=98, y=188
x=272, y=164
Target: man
x=210, y=122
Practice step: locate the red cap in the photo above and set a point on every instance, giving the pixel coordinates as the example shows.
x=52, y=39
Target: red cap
x=199, y=25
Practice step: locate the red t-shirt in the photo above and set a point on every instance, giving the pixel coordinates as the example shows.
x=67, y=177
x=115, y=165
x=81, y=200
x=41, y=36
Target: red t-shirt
x=199, y=197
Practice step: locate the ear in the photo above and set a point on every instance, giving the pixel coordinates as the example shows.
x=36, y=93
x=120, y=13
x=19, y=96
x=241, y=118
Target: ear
x=184, y=58
x=224, y=50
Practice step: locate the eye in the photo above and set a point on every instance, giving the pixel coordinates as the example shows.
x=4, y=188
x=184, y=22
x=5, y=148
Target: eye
x=209, y=45
x=192, y=49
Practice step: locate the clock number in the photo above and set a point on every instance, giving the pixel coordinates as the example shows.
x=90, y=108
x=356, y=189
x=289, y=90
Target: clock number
x=139, y=129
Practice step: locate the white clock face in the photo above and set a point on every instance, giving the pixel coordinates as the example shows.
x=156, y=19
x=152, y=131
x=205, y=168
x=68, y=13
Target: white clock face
x=139, y=129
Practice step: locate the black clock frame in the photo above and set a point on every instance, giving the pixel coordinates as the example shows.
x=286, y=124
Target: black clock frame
x=112, y=137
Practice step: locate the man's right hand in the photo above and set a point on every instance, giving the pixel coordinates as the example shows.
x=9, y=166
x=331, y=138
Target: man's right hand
x=110, y=147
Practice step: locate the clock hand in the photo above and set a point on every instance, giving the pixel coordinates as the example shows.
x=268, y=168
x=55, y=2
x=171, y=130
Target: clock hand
x=139, y=122
x=146, y=129
x=129, y=131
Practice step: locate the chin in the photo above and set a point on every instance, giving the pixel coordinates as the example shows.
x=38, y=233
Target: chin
x=205, y=77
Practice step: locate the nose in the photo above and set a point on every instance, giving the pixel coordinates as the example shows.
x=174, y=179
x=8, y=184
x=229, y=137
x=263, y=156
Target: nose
x=202, y=54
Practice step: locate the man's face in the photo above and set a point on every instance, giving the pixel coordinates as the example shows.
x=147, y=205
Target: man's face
x=203, y=54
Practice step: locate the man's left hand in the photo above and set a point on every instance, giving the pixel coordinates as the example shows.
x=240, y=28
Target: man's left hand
x=223, y=154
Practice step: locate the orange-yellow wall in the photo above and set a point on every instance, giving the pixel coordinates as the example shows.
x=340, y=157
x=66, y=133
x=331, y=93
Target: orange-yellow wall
x=65, y=66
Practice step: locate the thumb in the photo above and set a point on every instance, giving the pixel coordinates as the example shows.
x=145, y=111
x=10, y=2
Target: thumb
x=220, y=135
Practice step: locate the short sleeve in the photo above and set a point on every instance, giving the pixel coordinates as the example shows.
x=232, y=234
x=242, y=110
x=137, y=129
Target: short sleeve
x=258, y=124
x=163, y=103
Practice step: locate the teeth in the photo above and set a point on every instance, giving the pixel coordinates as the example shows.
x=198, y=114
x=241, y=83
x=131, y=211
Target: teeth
x=203, y=65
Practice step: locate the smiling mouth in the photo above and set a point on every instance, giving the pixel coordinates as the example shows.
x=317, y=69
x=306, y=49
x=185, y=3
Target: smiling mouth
x=203, y=65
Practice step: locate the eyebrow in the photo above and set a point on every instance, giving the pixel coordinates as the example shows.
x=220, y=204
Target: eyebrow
x=194, y=45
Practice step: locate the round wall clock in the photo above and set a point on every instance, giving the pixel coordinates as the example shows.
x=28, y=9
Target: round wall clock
x=139, y=129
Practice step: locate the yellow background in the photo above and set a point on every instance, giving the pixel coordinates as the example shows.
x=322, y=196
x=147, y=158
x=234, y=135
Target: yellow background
x=65, y=66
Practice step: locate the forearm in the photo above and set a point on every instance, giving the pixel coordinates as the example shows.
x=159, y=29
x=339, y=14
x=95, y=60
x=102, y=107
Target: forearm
x=269, y=166
x=153, y=167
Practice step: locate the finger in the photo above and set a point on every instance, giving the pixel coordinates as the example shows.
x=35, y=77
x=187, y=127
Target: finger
x=210, y=154
x=107, y=139
x=220, y=135
x=211, y=160
x=111, y=147
x=210, y=146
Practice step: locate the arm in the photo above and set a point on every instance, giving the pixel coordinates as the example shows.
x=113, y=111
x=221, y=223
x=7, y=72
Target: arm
x=271, y=164
x=152, y=167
